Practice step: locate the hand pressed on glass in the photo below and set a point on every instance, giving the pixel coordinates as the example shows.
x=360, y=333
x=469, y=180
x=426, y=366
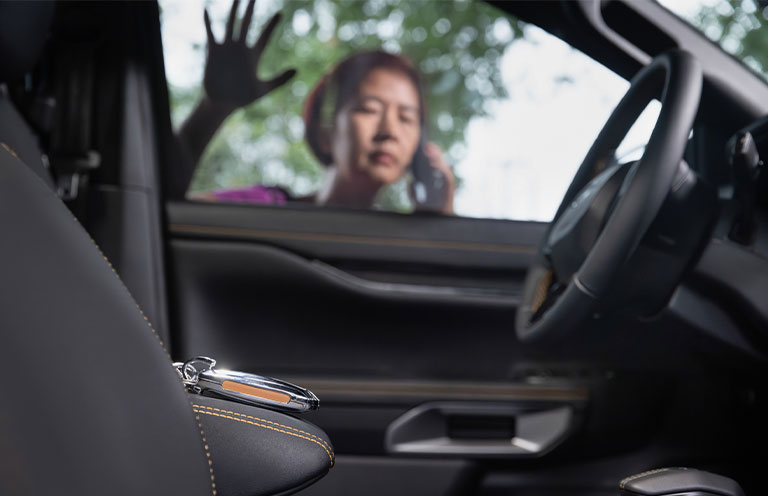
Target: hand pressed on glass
x=231, y=69
x=230, y=81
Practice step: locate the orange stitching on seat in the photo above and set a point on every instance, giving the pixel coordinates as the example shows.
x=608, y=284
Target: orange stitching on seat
x=207, y=455
x=624, y=482
x=119, y=279
x=330, y=456
x=9, y=149
x=266, y=421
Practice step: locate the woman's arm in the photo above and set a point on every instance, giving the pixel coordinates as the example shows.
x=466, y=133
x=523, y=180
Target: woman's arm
x=230, y=82
x=197, y=131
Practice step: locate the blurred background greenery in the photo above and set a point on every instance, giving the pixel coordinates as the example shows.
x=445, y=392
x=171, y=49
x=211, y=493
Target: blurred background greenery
x=736, y=25
x=455, y=44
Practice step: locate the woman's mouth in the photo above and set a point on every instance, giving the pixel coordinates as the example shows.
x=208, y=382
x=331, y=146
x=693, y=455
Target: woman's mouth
x=381, y=158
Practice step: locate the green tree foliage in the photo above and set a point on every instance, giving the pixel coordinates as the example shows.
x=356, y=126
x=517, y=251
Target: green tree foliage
x=739, y=26
x=455, y=44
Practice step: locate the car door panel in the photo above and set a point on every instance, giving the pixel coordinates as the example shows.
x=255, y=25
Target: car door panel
x=329, y=234
x=343, y=299
x=379, y=314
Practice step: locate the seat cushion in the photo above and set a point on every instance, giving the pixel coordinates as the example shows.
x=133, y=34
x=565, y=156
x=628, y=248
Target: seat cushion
x=258, y=451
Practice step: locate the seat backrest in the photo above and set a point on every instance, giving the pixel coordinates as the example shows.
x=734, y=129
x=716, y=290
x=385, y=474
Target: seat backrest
x=90, y=401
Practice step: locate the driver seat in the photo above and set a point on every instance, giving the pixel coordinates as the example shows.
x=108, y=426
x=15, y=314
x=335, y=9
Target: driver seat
x=91, y=402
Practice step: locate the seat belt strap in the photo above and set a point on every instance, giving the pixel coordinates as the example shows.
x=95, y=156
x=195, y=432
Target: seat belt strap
x=72, y=157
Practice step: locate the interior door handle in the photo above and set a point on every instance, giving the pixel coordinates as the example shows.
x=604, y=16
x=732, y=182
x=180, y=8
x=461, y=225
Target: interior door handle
x=480, y=430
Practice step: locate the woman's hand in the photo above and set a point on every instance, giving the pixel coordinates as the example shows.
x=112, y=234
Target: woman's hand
x=230, y=82
x=437, y=161
x=231, y=70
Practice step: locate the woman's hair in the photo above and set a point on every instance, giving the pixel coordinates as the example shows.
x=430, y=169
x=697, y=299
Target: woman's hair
x=340, y=85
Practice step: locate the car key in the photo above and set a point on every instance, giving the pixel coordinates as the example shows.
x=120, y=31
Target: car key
x=200, y=376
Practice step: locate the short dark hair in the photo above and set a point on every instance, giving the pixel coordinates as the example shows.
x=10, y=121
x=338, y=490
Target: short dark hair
x=335, y=89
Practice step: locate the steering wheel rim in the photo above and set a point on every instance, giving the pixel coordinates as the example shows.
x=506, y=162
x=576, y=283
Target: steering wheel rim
x=676, y=77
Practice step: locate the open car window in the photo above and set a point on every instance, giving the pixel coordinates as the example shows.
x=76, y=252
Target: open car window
x=513, y=108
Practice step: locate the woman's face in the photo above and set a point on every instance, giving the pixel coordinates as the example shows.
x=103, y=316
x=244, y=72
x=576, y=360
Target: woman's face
x=376, y=133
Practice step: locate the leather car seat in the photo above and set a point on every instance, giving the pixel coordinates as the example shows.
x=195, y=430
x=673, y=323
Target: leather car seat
x=92, y=404
x=91, y=401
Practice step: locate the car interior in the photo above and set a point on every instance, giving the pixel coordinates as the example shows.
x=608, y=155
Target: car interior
x=155, y=344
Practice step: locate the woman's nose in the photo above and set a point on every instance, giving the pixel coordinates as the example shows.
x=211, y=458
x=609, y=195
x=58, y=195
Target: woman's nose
x=388, y=125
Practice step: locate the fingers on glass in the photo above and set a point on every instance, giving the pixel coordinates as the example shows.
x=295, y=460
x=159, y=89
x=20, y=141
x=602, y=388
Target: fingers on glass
x=208, y=30
x=246, y=21
x=280, y=79
x=261, y=43
x=229, y=34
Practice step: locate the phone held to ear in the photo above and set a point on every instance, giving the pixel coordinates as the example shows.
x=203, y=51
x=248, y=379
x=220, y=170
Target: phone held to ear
x=429, y=184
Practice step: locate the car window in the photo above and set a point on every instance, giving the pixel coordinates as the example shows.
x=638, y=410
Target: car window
x=511, y=109
x=734, y=25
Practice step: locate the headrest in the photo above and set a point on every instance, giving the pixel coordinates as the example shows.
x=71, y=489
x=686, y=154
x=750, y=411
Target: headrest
x=23, y=31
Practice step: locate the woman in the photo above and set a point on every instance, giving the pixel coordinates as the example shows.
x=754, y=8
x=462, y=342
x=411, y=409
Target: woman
x=364, y=121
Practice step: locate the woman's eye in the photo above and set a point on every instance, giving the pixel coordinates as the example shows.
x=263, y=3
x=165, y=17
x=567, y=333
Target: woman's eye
x=407, y=119
x=363, y=109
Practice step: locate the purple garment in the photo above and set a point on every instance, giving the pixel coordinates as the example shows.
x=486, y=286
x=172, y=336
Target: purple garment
x=265, y=195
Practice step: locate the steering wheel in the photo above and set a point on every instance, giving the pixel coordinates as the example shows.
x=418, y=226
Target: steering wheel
x=607, y=210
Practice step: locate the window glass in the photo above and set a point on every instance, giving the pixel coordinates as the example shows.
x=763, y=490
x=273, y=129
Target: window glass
x=736, y=25
x=512, y=108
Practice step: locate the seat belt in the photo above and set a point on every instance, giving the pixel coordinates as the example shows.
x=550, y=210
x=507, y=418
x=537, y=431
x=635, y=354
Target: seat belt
x=71, y=155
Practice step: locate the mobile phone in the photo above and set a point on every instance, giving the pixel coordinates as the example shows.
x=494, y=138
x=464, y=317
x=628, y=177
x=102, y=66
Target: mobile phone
x=429, y=184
